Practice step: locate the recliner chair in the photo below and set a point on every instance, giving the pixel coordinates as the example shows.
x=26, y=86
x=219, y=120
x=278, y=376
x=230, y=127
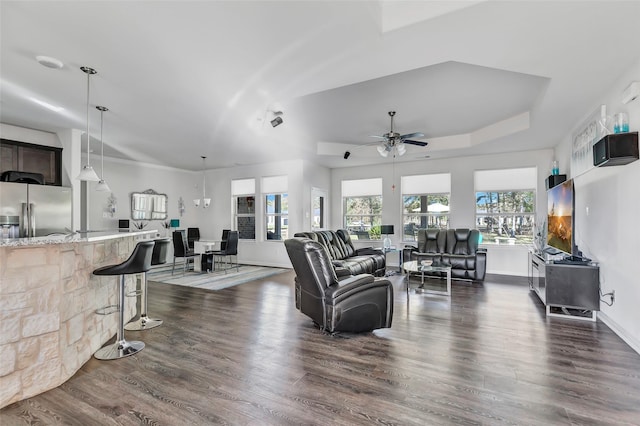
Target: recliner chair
x=353, y=304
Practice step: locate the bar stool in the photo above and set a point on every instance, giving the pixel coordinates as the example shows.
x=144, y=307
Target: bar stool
x=158, y=257
x=139, y=261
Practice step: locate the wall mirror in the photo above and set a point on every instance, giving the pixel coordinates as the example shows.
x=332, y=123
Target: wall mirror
x=148, y=205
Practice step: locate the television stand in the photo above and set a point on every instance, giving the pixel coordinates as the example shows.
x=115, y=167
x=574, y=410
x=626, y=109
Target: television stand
x=568, y=290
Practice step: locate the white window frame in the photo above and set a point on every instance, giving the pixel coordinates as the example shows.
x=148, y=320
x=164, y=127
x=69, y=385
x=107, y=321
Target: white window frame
x=274, y=186
x=506, y=181
x=428, y=186
x=362, y=188
x=321, y=197
x=276, y=217
x=243, y=188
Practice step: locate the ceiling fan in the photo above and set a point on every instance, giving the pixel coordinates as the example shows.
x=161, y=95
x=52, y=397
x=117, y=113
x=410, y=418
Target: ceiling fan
x=395, y=141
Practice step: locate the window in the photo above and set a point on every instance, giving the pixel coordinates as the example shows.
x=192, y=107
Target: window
x=276, y=207
x=318, y=209
x=243, y=192
x=425, y=203
x=362, y=208
x=277, y=216
x=318, y=212
x=505, y=205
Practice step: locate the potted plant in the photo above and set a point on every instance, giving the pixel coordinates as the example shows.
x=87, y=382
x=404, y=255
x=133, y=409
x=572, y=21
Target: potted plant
x=167, y=226
x=140, y=225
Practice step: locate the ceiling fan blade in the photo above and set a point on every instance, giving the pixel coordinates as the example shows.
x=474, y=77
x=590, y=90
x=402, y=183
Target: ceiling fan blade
x=378, y=137
x=412, y=135
x=418, y=143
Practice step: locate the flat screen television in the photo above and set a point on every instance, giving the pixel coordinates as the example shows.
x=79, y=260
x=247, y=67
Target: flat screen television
x=560, y=217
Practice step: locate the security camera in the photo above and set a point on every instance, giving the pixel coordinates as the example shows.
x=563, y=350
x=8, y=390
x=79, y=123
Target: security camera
x=346, y=154
x=276, y=121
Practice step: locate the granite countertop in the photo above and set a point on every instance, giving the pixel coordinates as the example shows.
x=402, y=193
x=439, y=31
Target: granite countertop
x=75, y=237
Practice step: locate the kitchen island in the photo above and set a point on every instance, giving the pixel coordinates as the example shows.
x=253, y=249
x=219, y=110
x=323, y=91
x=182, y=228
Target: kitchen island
x=48, y=301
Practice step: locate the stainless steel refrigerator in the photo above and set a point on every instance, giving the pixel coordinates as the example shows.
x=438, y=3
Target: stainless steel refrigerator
x=30, y=210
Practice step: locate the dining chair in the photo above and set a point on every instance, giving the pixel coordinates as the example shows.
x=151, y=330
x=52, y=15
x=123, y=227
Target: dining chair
x=181, y=250
x=230, y=249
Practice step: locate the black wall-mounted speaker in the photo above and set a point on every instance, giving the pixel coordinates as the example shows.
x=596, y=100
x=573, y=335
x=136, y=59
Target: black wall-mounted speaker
x=554, y=180
x=616, y=149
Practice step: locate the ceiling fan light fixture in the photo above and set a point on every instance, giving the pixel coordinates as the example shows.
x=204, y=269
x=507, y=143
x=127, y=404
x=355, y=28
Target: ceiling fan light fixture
x=401, y=149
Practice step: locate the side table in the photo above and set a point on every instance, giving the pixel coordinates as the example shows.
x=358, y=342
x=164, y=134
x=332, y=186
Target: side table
x=386, y=251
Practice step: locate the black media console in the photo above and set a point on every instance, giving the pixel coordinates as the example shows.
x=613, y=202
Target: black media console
x=569, y=288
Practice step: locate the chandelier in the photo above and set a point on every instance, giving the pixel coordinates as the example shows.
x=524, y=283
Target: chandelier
x=205, y=201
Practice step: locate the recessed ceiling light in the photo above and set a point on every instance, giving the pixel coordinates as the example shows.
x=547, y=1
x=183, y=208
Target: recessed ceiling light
x=49, y=62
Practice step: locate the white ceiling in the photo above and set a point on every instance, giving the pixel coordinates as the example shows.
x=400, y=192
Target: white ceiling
x=184, y=79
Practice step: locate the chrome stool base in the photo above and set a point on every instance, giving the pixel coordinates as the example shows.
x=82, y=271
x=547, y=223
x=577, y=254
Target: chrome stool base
x=139, y=262
x=119, y=350
x=143, y=323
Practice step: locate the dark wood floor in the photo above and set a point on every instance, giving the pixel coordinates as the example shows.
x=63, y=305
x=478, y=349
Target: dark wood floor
x=245, y=356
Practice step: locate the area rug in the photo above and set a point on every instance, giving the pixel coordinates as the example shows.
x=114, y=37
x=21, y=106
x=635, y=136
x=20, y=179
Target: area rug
x=213, y=280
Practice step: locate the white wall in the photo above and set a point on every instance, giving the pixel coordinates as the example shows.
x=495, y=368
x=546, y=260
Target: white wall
x=315, y=177
x=500, y=259
x=125, y=177
x=220, y=216
x=609, y=232
x=22, y=134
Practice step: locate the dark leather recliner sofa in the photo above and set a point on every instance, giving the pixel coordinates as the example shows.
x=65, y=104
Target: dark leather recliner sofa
x=353, y=304
x=457, y=248
x=345, y=257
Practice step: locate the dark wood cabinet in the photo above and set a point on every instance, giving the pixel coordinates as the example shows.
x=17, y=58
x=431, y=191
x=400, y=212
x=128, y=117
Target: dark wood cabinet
x=26, y=157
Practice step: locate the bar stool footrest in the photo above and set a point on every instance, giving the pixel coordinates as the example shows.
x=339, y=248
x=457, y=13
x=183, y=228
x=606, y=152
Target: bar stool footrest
x=107, y=310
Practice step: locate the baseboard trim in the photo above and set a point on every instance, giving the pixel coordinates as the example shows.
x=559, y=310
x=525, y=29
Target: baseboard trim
x=268, y=264
x=629, y=340
x=509, y=273
x=505, y=278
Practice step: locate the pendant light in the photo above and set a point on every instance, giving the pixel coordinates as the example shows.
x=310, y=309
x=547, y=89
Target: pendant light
x=87, y=173
x=205, y=201
x=102, y=185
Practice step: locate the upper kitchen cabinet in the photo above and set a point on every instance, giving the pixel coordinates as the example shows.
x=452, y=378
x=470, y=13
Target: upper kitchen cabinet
x=27, y=157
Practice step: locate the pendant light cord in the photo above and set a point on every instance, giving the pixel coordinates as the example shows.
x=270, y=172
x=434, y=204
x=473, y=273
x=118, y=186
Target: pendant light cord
x=204, y=180
x=101, y=146
x=88, y=136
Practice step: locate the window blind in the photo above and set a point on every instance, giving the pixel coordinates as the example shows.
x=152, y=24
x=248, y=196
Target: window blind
x=426, y=184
